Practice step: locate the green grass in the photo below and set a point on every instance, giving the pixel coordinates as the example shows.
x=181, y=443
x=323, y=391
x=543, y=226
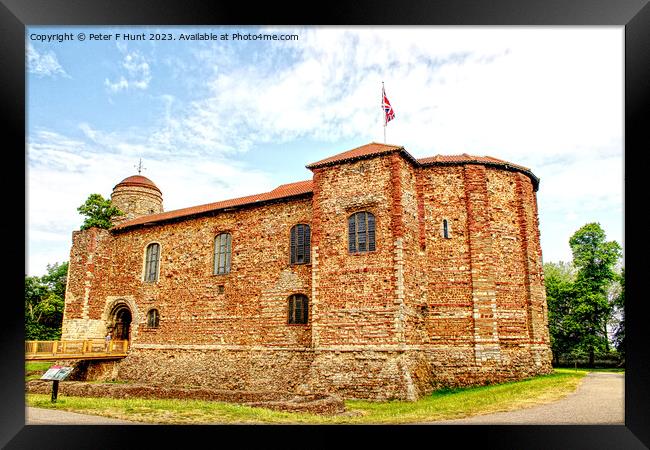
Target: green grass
x=34, y=370
x=441, y=405
x=40, y=366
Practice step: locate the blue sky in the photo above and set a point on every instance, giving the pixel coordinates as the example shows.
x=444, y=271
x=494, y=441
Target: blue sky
x=214, y=120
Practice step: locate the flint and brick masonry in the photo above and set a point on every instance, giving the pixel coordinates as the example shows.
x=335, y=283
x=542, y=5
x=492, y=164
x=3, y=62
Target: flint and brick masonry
x=451, y=294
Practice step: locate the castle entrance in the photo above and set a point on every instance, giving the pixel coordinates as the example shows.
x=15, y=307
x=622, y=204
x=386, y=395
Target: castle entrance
x=121, y=322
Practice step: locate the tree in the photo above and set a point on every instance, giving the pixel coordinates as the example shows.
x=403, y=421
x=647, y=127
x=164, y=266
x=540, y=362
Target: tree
x=619, y=310
x=560, y=295
x=98, y=212
x=594, y=259
x=44, y=303
x=56, y=278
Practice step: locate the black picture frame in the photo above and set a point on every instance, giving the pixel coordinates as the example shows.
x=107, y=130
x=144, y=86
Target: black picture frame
x=15, y=15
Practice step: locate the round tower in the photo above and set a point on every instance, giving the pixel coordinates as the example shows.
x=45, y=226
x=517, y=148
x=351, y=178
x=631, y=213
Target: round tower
x=136, y=196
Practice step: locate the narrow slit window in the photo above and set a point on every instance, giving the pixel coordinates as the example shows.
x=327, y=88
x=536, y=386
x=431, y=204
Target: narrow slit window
x=300, y=244
x=445, y=229
x=222, y=251
x=361, y=232
x=152, y=260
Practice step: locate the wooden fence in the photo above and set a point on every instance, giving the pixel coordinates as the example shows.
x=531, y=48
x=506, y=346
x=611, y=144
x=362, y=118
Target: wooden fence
x=79, y=349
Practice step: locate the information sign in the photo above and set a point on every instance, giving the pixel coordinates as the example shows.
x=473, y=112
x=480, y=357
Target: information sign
x=56, y=373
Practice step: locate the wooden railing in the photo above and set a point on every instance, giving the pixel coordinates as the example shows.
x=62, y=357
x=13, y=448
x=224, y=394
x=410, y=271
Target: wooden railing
x=79, y=349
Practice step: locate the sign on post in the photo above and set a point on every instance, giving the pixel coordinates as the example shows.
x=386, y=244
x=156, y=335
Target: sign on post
x=56, y=374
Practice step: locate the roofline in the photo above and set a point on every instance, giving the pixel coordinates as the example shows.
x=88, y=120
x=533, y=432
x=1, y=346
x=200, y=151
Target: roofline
x=399, y=149
x=502, y=165
x=419, y=163
x=119, y=229
x=137, y=183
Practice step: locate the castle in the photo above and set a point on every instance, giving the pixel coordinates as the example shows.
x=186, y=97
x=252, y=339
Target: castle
x=382, y=277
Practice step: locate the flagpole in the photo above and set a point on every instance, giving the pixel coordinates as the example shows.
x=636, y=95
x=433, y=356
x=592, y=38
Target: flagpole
x=382, y=108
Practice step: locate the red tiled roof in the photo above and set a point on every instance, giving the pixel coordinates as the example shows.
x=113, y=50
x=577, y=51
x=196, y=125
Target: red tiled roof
x=282, y=191
x=375, y=149
x=289, y=189
x=137, y=180
x=465, y=158
x=371, y=149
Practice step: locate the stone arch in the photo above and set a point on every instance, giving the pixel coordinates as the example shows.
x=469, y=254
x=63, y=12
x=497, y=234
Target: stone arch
x=120, y=317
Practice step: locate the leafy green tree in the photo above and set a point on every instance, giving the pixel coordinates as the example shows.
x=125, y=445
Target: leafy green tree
x=56, y=277
x=619, y=308
x=44, y=303
x=594, y=259
x=98, y=212
x=34, y=291
x=560, y=297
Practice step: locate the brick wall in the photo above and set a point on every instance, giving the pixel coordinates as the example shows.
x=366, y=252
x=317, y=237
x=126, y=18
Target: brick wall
x=420, y=311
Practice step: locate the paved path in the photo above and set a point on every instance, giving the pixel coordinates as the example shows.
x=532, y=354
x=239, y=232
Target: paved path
x=599, y=399
x=42, y=416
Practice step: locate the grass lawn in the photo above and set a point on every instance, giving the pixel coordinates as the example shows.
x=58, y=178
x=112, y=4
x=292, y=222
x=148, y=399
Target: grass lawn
x=440, y=405
x=34, y=369
x=37, y=366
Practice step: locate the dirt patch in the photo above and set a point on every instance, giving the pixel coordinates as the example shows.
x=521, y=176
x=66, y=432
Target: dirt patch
x=315, y=404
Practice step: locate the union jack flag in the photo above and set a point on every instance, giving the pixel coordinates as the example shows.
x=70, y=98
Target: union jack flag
x=388, y=110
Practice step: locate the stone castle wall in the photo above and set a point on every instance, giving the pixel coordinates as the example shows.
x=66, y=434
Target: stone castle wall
x=419, y=312
x=358, y=322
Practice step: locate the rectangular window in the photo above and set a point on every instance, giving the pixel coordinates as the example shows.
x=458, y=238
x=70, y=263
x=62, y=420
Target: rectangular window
x=300, y=244
x=151, y=262
x=361, y=232
x=222, y=251
x=298, y=307
x=153, y=318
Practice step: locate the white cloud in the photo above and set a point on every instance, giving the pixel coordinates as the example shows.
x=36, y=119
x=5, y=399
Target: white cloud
x=138, y=73
x=479, y=91
x=44, y=64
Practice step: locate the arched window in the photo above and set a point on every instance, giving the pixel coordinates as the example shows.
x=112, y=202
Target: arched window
x=153, y=318
x=300, y=244
x=446, y=229
x=361, y=232
x=222, y=249
x=298, y=306
x=152, y=260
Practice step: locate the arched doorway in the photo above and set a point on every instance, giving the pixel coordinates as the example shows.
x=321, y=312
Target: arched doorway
x=121, y=322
